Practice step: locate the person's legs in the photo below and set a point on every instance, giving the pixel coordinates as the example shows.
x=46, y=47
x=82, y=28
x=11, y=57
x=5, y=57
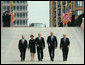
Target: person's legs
x=64, y=54
x=50, y=53
x=38, y=53
x=24, y=52
x=33, y=56
x=21, y=55
x=53, y=50
x=67, y=49
x=41, y=53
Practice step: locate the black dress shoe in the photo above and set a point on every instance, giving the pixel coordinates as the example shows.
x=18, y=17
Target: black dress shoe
x=65, y=60
x=41, y=60
x=52, y=60
x=21, y=60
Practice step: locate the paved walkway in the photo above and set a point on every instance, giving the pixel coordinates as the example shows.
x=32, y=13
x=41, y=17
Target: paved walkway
x=10, y=38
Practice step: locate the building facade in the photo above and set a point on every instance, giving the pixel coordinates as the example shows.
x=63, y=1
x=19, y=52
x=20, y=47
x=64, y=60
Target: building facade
x=20, y=9
x=78, y=7
x=57, y=8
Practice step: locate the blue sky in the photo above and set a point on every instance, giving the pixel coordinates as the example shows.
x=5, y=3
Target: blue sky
x=38, y=12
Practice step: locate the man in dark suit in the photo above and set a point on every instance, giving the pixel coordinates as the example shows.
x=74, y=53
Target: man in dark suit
x=52, y=44
x=40, y=46
x=64, y=45
x=6, y=19
x=22, y=48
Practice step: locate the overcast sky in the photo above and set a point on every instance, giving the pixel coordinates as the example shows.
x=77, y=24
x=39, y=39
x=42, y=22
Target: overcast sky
x=38, y=12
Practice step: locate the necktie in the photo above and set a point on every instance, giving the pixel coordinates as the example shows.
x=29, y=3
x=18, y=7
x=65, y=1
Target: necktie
x=64, y=39
x=39, y=38
x=51, y=38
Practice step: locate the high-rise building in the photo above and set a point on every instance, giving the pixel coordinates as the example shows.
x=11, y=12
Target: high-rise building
x=77, y=7
x=57, y=8
x=20, y=9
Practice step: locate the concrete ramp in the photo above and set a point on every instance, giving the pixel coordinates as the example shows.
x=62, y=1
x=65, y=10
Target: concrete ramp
x=10, y=38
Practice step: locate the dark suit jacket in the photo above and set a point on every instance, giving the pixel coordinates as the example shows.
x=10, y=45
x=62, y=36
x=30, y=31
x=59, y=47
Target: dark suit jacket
x=52, y=43
x=64, y=44
x=22, y=46
x=6, y=20
x=41, y=42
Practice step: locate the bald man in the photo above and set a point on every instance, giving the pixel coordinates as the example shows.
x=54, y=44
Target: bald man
x=40, y=46
x=64, y=45
x=52, y=44
x=22, y=48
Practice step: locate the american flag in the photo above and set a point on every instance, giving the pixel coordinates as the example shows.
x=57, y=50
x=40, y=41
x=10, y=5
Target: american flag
x=64, y=18
x=67, y=17
x=12, y=16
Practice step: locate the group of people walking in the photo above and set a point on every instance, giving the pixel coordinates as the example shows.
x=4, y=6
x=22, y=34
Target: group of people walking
x=39, y=42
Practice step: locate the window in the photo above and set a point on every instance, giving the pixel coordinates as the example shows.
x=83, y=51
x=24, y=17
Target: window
x=26, y=22
x=8, y=8
x=17, y=22
x=54, y=22
x=78, y=3
x=54, y=5
x=20, y=22
x=26, y=15
x=54, y=14
x=4, y=8
x=59, y=20
x=69, y=1
x=24, y=8
x=14, y=2
x=8, y=2
x=4, y=2
x=26, y=2
x=20, y=15
x=59, y=3
x=14, y=7
x=72, y=6
x=17, y=15
x=23, y=22
x=21, y=2
x=59, y=12
x=63, y=9
x=78, y=12
x=17, y=7
x=20, y=8
x=23, y=15
x=63, y=2
x=17, y=2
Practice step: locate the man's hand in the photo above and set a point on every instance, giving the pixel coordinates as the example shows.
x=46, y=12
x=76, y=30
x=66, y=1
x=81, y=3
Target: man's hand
x=37, y=45
x=49, y=44
x=60, y=48
x=56, y=47
x=43, y=47
x=28, y=48
x=68, y=46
